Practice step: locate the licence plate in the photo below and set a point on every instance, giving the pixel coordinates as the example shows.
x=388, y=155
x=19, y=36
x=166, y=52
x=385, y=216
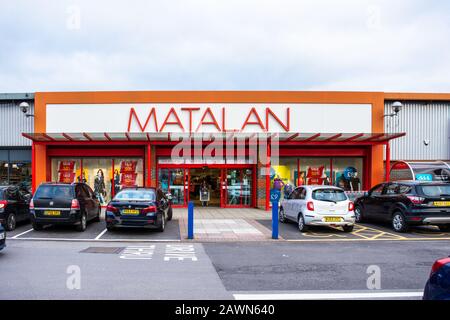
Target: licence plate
x=52, y=213
x=130, y=211
x=333, y=219
x=441, y=203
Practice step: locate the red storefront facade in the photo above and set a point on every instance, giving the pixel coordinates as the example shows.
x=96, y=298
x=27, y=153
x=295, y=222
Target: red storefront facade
x=241, y=143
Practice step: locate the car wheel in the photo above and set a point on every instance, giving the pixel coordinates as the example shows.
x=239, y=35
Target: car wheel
x=301, y=223
x=398, y=223
x=97, y=218
x=348, y=229
x=281, y=215
x=110, y=228
x=162, y=224
x=83, y=223
x=36, y=226
x=444, y=227
x=10, y=224
x=358, y=214
x=169, y=214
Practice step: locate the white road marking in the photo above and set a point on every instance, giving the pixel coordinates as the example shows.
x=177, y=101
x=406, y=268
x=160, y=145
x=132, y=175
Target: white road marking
x=91, y=240
x=21, y=234
x=329, y=296
x=180, y=252
x=138, y=252
x=101, y=234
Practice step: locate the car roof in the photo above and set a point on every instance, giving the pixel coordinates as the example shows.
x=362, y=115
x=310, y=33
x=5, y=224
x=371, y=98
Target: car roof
x=313, y=187
x=416, y=182
x=138, y=188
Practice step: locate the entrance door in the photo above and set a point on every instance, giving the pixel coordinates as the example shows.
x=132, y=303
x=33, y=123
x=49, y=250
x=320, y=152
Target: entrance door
x=174, y=181
x=238, y=187
x=208, y=178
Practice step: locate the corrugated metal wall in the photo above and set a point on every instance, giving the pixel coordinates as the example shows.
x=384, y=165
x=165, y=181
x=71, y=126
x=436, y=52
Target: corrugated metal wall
x=424, y=122
x=13, y=122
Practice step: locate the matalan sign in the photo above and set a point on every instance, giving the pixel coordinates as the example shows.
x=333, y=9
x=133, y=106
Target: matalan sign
x=208, y=118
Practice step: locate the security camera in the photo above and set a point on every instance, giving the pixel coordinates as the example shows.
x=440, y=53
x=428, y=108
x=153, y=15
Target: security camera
x=24, y=106
x=397, y=106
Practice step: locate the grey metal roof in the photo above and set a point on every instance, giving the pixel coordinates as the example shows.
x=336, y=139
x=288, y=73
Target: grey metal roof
x=16, y=96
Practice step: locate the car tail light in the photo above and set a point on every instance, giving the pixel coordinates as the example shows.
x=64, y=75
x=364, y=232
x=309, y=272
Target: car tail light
x=149, y=209
x=3, y=203
x=75, y=204
x=32, y=204
x=351, y=206
x=112, y=209
x=439, y=264
x=310, y=205
x=416, y=200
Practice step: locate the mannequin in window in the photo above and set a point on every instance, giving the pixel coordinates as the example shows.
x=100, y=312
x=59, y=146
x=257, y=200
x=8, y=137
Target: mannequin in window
x=99, y=186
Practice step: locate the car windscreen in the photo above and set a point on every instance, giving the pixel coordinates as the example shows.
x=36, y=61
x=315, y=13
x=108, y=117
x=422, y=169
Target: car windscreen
x=331, y=195
x=136, y=195
x=436, y=190
x=51, y=192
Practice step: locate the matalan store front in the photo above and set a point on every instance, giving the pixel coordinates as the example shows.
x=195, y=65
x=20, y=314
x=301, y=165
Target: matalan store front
x=238, y=145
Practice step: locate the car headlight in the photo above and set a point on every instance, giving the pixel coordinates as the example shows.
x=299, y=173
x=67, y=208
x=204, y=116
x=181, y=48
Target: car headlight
x=2, y=235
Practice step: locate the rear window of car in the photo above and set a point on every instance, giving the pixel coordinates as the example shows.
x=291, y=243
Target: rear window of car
x=435, y=191
x=334, y=195
x=48, y=191
x=136, y=195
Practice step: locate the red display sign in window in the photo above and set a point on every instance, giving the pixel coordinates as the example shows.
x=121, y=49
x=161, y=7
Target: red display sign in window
x=128, y=179
x=66, y=166
x=128, y=166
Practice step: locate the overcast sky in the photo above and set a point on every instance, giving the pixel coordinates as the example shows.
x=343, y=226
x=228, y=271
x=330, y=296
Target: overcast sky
x=400, y=45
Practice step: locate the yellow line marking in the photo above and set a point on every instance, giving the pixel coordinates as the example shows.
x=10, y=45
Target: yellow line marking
x=365, y=240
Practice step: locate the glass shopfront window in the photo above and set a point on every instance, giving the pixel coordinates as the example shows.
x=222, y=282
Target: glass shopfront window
x=15, y=167
x=128, y=172
x=347, y=173
x=105, y=176
x=344, y=172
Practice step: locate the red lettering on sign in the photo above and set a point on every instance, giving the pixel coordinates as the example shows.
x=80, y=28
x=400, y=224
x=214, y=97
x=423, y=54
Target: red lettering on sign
x=133, y=113
x=167, y=122
x=190, y=110
x=258, y=121
x=213, y=120
x=288, y=118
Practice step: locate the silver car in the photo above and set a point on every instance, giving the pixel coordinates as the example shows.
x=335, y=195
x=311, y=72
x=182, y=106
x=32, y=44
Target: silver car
x=318, y=206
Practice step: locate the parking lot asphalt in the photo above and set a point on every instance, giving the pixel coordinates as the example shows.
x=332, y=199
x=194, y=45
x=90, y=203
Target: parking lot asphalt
x=96, y=231
x=291, y=267
x=91, y=270
x=362, y=232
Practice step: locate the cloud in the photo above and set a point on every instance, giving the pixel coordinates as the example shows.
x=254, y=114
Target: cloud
x=224, y=45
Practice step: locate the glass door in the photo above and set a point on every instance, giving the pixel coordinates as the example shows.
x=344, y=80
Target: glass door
x=174, y=181
x=238, y=187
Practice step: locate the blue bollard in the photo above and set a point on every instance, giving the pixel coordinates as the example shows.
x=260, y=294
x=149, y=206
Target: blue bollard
x=274, y=219
x=191, y=220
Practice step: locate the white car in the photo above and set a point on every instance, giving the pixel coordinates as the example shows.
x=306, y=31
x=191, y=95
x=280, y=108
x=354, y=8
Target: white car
x=318, y=206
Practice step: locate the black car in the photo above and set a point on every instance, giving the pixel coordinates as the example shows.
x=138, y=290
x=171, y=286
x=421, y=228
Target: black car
x=14, y=203
x=139, y=207
x=2, y=237
x=407, y=203
x=57, y=203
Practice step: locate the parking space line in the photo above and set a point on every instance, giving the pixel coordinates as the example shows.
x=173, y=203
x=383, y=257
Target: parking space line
x=329, y=296
x=101, y=234
x=92, y=240
x=21, y=234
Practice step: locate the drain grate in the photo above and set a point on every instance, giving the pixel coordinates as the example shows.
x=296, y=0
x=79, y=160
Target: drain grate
x=107, y=250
